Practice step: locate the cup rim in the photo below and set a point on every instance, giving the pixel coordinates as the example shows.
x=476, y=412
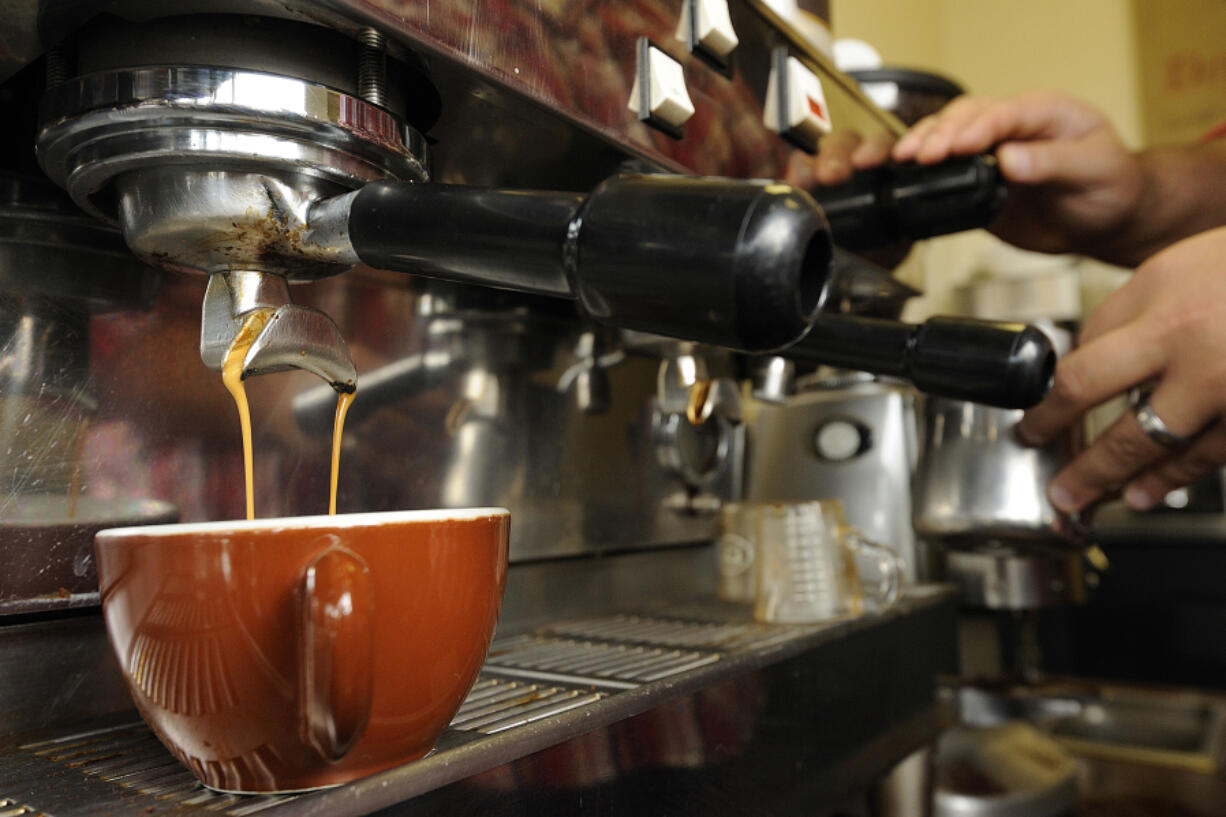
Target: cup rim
x=319, y=522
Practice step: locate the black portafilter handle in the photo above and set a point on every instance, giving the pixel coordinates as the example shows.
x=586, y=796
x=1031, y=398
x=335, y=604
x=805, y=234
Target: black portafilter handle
x=891, y=204
x=740, y=264
x=1007, y=365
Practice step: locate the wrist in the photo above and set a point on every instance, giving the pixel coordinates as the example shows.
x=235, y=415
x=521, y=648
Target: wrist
x=1180, y=192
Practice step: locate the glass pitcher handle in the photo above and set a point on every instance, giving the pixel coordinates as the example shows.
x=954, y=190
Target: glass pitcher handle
x=891, y=566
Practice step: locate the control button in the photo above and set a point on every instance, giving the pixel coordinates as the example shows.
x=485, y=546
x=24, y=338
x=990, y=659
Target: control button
x=795, y=102
x=840, y=440
x=711, y=31
x=659, y=95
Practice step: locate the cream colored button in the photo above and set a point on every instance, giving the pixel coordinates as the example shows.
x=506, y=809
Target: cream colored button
x=838, y=440
x=664, y=78
x=713, y=29
x=804, y=110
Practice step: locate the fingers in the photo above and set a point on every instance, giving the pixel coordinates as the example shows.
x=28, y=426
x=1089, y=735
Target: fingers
x=971, y=125
x=1089, y=376
x=931, y=139
x=1123, y=450
x=1203, y=456
x=1076, y=161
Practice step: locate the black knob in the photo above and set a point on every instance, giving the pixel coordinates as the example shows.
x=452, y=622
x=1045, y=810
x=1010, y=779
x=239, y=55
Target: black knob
x=897, y=203
x=1006, y=365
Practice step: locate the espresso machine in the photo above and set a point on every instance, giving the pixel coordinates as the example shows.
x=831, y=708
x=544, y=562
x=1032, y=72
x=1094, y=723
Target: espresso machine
x=546, y=244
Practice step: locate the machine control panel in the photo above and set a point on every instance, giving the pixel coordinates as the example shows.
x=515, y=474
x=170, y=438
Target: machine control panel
x=659, y=95
x=706, y=25
x=795, y=102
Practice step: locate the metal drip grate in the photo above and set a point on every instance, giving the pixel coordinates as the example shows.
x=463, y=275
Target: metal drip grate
x=528, y=678
x=494, y=704
x=699, y=635
x=119, y=769
x=591, y=662
x=126, y=769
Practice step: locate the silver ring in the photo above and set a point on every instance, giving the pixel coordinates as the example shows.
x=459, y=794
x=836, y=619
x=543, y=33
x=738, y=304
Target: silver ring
x=1154, y=428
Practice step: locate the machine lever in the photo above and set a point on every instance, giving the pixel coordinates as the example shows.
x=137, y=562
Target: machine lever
x=883, y=206
x=1006, y=365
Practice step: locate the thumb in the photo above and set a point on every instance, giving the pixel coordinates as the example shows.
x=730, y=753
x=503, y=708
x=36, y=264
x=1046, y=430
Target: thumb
x=1058, y=161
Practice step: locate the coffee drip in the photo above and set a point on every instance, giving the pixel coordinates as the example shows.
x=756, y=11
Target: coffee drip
x=232, y=376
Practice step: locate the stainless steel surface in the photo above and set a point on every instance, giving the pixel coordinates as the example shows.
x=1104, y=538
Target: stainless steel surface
x=873, y=480
x=56, y=674
x=48, y=398
x=216, y=171
x=372, y=67
x=1179, y=729
x=1001, y=578
x=860, y=287
x=773, y=378
x=906, y=791
x=210, y=219
x=228, y=299
x=1011, y=770
x=121, y=769
x=98, y=127
x=251, y=233
x=48, y=547
x=1151, y=751
x=976, y=483
x=298, y=337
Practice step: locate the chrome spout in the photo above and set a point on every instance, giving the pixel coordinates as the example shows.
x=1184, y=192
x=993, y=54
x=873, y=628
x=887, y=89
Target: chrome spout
x=295, y=337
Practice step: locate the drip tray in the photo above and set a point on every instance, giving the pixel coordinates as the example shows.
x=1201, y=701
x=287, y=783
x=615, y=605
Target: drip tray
x=536, y=690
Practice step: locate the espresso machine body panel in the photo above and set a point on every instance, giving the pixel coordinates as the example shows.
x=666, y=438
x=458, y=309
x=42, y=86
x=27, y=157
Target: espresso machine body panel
x=506, y=400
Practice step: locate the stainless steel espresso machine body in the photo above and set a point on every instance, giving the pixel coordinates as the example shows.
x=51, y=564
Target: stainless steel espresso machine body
x=592, y=279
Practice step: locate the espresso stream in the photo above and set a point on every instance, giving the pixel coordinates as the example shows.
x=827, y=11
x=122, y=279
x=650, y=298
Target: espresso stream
x=232, y=377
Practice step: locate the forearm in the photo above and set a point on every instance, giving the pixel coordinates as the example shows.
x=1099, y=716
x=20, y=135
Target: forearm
x=1183, y=193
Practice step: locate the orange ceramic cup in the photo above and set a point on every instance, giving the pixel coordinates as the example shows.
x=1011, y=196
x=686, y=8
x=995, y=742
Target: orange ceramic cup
x=282, y=655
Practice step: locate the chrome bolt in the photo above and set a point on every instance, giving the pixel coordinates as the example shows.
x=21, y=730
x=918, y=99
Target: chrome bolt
x=372, y=67
x=58, y=68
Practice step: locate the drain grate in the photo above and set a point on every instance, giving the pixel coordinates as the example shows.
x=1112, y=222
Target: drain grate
x=495, y=704
x=127, y=769
x=665, y=632
x=530, y=678
x=579, y=661
x=124, y=768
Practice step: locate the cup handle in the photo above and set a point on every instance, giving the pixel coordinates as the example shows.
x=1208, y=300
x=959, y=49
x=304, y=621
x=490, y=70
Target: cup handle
x=891, y=566
x=336, y=660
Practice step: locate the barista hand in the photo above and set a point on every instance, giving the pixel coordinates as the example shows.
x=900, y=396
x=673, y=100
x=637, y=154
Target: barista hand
x=1167, y=328
x=1073, y=186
